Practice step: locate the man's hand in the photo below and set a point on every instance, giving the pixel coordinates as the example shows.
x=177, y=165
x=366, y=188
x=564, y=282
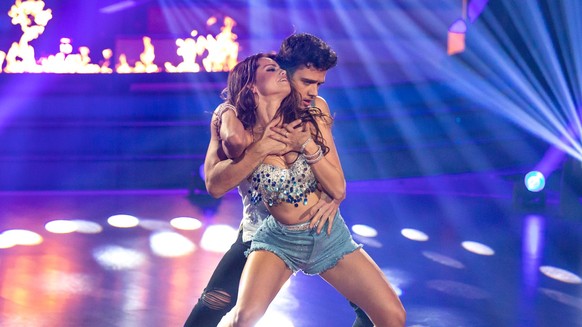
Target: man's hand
x=324, y=210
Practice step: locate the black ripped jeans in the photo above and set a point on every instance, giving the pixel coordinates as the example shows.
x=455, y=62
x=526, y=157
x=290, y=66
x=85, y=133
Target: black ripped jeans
x=221, y=293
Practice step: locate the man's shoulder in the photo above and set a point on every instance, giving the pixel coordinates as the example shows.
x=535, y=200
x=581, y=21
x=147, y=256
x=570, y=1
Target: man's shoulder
x=321, y=104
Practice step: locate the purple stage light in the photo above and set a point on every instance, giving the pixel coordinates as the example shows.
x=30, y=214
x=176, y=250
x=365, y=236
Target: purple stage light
x=533, y=240
x=118, y=6
x=475, y=9
x=459, y=26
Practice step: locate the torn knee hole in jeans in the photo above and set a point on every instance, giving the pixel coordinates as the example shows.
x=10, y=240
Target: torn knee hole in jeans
x=216, y=299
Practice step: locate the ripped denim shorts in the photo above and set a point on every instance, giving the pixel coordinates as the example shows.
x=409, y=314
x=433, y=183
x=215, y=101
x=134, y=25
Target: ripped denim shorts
x=301, y=248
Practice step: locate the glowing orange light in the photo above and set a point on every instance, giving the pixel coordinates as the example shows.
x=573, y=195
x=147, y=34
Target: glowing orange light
x=31, y=15
x=20, y=56
x=107, y=54
x=455, y=43
x=66, y=46
x=145, y=63
x=222, y=50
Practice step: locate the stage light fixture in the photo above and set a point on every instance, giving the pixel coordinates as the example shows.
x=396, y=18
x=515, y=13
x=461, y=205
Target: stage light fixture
x=529, y=193
x=534, y=181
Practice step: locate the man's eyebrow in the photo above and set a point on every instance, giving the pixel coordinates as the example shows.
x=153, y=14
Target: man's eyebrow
x=308, y=80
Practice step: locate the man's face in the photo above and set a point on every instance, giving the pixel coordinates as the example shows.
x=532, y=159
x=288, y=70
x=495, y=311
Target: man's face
x=306, y=80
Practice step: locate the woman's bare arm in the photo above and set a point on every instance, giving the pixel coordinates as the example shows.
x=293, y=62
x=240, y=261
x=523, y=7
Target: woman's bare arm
x=328, y=170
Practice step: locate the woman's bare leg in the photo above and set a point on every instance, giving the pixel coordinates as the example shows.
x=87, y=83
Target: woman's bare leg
x=358, y=277
x=262, y=278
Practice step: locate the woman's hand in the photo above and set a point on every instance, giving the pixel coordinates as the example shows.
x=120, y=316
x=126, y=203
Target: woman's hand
x=272, y=141
x=294, y=135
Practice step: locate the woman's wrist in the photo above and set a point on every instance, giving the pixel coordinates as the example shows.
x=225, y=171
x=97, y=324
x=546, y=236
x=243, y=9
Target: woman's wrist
x=302, y=148
x=310, y=148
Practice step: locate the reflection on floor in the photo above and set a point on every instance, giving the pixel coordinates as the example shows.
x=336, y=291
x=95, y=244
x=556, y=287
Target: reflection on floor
x=456, y=247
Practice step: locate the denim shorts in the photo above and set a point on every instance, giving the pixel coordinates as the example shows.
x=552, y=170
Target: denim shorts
x=301, y=248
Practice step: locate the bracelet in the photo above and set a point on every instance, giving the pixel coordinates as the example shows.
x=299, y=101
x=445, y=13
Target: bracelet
x=313, y=155
x=316, y=159
x=305, y=144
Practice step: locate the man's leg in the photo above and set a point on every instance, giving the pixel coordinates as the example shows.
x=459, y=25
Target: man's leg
x=220, y=294
x=362, y=319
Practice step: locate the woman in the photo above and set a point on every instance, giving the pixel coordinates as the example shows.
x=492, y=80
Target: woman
x=301, y=164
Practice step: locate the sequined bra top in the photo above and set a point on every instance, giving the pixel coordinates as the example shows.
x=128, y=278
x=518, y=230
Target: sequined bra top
x=274, y=185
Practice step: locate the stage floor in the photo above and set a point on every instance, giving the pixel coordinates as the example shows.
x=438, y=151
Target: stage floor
x=485, y=262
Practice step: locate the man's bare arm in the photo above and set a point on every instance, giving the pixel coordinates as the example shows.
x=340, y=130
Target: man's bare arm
x=223, y=174
x=235, y=139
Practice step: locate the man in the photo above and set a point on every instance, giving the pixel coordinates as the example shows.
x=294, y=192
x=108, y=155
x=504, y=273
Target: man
x=234, y=156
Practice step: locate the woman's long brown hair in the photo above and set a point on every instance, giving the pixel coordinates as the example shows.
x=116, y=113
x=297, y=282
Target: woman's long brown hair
x=239, y=93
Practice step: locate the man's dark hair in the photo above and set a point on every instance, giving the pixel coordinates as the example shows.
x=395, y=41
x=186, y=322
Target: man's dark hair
x=305, y=49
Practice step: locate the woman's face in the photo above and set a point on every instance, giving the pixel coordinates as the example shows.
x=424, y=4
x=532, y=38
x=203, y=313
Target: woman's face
x=270, y=79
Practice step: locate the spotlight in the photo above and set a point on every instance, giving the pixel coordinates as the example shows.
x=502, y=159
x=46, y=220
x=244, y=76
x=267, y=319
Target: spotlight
x=534, y=181
x=528, y=193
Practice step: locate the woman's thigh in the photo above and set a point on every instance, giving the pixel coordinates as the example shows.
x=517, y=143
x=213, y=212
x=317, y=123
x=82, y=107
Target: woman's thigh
x=262, y=278
x=358, y=277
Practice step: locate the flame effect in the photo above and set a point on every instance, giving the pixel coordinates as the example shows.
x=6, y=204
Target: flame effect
x=33, y=17
x=222, y=50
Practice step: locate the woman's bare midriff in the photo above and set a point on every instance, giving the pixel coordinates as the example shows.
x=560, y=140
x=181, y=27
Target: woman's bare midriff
x=288, y=214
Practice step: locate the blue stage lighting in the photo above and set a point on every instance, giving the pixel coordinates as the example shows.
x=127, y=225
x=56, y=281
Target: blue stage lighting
x=535, y=181
x=201, y=172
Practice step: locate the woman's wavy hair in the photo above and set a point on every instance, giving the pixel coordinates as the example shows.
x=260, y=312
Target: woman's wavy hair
x=239, y=93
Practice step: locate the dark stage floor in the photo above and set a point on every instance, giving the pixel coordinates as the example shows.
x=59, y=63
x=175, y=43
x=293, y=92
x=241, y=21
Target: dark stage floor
x=456, y=247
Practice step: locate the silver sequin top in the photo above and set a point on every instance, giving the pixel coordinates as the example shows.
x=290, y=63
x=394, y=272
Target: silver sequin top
x=274, y=185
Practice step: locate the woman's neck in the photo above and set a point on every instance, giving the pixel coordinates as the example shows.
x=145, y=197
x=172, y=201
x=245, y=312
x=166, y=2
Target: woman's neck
x=266, y=111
